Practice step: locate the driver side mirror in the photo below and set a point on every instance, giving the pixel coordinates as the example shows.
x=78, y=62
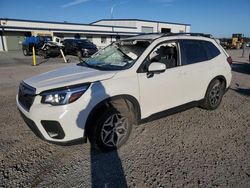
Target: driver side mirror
x=156, y=68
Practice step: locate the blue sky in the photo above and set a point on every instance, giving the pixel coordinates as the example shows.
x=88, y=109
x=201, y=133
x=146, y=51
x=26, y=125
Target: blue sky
x=218, y=17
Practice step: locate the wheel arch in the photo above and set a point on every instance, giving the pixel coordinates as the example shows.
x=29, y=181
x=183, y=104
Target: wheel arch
x=104, y=104
x=221, y=78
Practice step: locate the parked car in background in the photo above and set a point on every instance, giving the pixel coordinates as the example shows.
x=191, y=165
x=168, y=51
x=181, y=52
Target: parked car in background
x=51, y=48
x=37, y=41
x=79, y=47
x=124, y=84
x=45, y=46
x=248, y=44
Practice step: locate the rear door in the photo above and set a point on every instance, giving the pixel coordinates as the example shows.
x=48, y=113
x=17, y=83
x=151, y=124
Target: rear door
x=195, y=67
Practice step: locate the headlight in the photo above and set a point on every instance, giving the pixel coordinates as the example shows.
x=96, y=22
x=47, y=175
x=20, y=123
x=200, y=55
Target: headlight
x=63, y=96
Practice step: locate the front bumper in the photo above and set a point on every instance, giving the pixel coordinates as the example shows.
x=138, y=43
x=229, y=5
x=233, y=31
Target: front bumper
x=69, y=119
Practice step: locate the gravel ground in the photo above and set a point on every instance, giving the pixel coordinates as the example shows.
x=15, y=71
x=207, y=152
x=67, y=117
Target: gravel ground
x=195, y=148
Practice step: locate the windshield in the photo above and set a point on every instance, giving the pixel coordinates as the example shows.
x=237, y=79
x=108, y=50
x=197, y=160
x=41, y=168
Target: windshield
x=116, y=56
x=85, y=43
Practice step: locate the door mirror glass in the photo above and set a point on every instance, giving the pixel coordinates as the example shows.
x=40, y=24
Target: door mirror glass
x=156, y=67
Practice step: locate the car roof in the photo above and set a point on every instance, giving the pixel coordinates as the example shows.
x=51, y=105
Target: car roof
x=153, y=36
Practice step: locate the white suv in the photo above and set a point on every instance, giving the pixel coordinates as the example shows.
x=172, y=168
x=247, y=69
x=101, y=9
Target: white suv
x=131, y=80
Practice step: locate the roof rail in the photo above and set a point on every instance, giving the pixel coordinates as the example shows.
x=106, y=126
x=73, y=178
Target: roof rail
x=190, y=34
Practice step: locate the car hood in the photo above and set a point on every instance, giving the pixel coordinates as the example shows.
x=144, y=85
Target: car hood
x=70, y=75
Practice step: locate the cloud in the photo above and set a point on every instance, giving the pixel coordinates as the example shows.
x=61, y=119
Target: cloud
x=116, y=5
x=73, y=3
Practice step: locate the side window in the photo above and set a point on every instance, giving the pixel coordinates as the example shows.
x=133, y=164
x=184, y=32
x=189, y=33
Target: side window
x=192, y=51
x=67, y=43
x=103, y=40
x=212, y=50
x=74, y=44
x=146, y=29
x=164, y=53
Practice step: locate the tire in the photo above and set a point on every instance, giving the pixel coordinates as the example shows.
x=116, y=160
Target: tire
x=85, y=54
x=214, y=94
x=26, y=52
x=112, y=129
x=44, y=55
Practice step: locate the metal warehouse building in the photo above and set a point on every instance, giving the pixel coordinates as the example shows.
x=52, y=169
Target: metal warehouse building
x=102, y=32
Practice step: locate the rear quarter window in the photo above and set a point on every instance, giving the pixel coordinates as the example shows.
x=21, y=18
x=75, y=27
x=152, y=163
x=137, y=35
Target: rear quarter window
x=195, y=51
x=212, y=50
x=192, y=51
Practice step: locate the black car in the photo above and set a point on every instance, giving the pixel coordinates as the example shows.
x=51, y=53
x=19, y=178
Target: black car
x=79, y=47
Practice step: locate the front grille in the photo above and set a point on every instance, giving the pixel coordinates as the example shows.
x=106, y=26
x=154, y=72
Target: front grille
x=26, y=95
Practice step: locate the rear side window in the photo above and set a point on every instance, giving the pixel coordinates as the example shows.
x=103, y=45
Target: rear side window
x=212, y=50
x=192, y=51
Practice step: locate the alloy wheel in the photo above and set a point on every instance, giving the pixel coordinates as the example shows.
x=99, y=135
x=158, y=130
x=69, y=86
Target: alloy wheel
x=215, y=94
x=114, y=130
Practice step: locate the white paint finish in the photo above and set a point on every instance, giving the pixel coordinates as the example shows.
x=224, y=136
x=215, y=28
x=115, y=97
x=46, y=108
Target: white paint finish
x=71, y=123
x=162, y=91
x=174, y=87
x=156, y=66
x=66, y=76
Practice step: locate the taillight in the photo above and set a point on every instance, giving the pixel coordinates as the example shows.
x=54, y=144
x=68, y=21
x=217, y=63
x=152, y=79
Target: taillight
x=230, y=60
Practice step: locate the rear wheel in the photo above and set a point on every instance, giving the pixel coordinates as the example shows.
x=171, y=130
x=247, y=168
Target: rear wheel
x=112, y=129
x=26, y=52
x=214, y=94
x=85, y=54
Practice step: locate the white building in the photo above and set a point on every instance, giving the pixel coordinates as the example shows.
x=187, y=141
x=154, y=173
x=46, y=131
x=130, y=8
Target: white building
x=102, y=32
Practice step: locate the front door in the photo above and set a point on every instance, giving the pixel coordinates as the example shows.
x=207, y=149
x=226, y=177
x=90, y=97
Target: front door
x=164, y=90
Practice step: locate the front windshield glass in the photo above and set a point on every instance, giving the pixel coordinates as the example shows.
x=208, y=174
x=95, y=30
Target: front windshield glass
x=85, y=43
x=117, y=56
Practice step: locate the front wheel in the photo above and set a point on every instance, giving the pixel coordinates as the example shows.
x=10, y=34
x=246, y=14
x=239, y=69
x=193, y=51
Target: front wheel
x=214, y=95
x=44, y=54
x=111, y=130
x=26, y=52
